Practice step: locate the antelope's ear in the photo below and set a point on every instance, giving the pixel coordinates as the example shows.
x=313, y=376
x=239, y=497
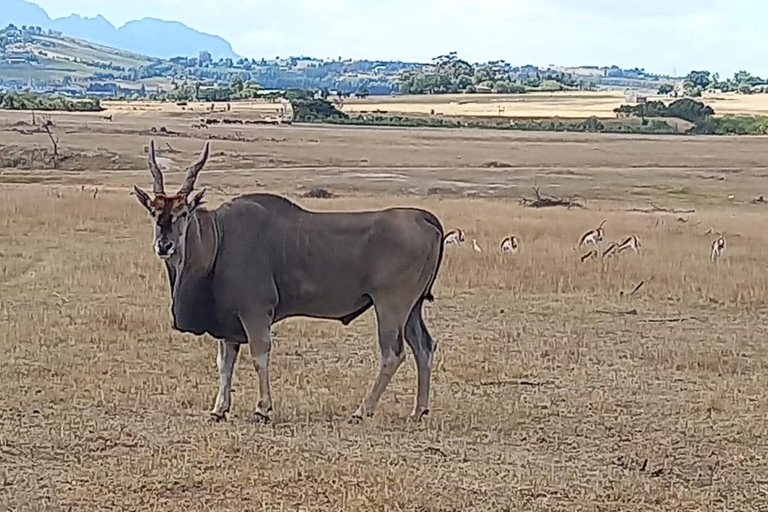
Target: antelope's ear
x=197, y=200
x=143, y=198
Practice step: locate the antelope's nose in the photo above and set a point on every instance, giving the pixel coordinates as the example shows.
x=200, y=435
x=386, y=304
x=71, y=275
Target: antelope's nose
x=164, y=247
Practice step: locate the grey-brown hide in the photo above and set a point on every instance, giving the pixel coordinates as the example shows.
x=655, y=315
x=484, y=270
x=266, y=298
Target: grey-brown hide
x=260, y=258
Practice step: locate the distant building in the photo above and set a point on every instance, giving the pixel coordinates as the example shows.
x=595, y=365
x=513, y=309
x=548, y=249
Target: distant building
x=205, y=57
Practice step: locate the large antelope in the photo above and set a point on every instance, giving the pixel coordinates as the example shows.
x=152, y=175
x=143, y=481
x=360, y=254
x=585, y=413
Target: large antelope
x=257, y=259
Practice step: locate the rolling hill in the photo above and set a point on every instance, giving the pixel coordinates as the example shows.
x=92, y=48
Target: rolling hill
x=148, y=36
x=44, y=57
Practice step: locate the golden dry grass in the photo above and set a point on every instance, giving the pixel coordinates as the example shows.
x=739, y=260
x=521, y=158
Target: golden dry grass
x=542, y=398
x=575, y=105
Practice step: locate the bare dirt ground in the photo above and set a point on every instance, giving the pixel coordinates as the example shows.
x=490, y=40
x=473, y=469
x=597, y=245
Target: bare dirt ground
x=553, y=390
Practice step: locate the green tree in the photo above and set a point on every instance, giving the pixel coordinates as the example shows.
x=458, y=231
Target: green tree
x=236, y=82
x=700, y=79
x=665, y=89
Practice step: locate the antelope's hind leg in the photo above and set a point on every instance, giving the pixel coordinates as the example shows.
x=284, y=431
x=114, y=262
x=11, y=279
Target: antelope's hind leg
x=423, y=347
x=391, y=322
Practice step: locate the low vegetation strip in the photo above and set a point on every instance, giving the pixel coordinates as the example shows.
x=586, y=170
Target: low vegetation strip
x=309, y=109
x=591, y=124
x=28, y=101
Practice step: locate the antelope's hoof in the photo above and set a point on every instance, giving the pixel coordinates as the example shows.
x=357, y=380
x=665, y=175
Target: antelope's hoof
x=259, y=418
x=216, y=417
x=417, y=416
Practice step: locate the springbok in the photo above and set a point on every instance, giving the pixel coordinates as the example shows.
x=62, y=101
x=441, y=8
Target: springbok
x=631, y=242
x=454, y=237
x=590, y=255
x=593, y=236
x=610, y=251
x=510, y=245
x=475, y=246
x=257, y=259
x=614, y=249
x=718, y=246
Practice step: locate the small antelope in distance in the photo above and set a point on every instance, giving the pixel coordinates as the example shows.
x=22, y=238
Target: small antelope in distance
x=718, y=246
x=631, y=242
x=454, y=237
x=476, y=247
x=610, y=251
x=510, y=245
x=592, y=254
x=593, y=236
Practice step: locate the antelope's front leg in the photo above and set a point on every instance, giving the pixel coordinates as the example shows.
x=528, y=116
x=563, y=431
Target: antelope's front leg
x=260, y=342
x=225, y=360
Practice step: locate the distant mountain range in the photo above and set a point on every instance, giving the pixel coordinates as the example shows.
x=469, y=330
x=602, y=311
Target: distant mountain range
x=148, y=36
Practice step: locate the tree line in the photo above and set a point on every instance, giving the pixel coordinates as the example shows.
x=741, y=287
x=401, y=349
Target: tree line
x=698, y=82
x=28, y=101
x=450, y=74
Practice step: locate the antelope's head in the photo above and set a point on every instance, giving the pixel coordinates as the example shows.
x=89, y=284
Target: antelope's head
x=171, y=213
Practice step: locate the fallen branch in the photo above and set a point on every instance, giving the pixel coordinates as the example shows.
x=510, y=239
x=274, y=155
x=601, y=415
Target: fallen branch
x=632, y=312
x=546, y=201
x=436, y=451
x=659, y=209
x=517, y=382
x=676, y=319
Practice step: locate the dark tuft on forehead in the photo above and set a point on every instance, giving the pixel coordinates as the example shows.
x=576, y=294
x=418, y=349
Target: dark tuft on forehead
x=165, y=207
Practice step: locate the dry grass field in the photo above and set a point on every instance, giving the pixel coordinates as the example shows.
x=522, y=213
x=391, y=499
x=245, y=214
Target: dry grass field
x=573, y=105
x=547, y=395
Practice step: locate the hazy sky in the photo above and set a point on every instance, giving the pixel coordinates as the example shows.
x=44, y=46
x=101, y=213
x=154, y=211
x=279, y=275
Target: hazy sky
x=660, y=35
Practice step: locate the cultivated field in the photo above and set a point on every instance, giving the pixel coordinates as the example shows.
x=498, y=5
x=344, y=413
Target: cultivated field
x=568, y=105
x=552, y=390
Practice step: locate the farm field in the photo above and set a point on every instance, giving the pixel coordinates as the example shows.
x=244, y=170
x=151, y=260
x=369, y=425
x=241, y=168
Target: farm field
x=573, y=105
x=555, y=387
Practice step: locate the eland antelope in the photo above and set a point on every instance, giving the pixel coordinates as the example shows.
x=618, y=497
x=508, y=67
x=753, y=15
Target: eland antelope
x=718, y=246
x=510, y=245
x=257, y=259
x=454, y=237
x=593, y=236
